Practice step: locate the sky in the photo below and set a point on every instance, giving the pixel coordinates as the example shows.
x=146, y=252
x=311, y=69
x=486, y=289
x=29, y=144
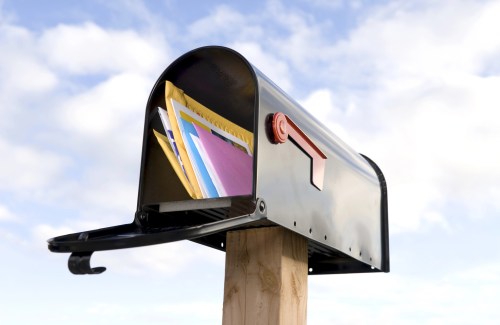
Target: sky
x=414, y=85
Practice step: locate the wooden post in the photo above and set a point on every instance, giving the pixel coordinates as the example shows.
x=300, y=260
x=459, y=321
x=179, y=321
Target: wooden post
x=266, y=277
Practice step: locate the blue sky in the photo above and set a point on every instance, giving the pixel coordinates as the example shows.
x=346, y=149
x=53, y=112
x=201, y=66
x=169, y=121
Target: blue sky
x=412, y=84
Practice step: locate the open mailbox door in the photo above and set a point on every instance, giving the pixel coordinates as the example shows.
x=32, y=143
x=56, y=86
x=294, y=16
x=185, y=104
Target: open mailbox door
x=224, y=148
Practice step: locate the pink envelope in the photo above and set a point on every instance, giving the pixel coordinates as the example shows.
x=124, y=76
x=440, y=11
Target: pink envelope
x=232, y=166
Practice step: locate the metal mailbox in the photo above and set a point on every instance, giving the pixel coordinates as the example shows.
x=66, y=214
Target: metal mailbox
x=303, y=177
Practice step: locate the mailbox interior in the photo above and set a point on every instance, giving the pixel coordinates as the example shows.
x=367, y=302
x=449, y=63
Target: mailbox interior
x=224, y=82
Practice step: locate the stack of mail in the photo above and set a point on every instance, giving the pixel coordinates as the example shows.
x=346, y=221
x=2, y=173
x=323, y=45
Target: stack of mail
x=211, y=155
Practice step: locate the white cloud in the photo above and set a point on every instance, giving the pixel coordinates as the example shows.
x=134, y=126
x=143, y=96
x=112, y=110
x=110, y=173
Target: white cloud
x=322, y=104
x=437, y=150
x=88, y=48
x=276, y=69
x=23, y=73
x=12, y=240
x=42, y=232
x=223, y=19
x=29, y=169
x=6, y=214
x=115, y=197
x=421, y=104
x=302, y=40
x=82, y=151
x=245, y=33
x=391, y=298
x=419, y=40
x=108, y=107
x=103, y=125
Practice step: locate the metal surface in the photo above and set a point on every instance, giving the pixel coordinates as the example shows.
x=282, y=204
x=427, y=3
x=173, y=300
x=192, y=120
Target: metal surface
x=345, y=215
x=345, y=222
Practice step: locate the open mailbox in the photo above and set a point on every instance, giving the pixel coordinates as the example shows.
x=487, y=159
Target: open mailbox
x=224, y=148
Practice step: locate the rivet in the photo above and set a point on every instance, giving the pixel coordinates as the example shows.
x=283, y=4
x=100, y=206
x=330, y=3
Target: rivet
x=262, y=206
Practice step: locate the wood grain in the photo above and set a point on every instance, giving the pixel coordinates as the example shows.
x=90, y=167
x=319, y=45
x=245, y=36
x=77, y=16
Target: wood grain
x=266, y=277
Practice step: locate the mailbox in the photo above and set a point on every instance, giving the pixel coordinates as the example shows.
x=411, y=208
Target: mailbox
x=292, y=172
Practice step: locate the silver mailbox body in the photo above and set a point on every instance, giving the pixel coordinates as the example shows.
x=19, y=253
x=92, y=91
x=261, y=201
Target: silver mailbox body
x=344, y=218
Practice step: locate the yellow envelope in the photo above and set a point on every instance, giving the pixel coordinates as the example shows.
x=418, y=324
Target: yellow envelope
x=167, y=149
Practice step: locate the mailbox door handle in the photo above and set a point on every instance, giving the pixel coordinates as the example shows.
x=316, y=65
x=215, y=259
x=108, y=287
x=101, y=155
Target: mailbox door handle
x=283, y=128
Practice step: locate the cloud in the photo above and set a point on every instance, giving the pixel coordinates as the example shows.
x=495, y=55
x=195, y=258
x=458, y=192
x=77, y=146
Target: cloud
x=73, y=143
x=88, y=49
x=223, y=20
x=6, y=214
x=20, y=68
x=108, y=107
x=275, y=68
x=24, y=79
x=29, y=169
x=382, y=299
x=42, y=232
x=418, y=40
x=301, y=41
x=413, y=94
x=322, y=104
x=102, y=128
